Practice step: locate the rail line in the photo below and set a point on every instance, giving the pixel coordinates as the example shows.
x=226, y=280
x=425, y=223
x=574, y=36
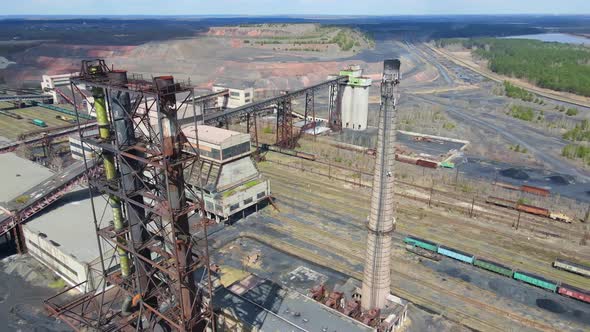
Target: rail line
x=480, y=207
x=344, y=245
x=354, y=211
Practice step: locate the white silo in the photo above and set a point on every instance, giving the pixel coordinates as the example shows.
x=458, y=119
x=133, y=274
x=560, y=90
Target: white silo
x=355, y=98
x=360, y=106
x=347, y=106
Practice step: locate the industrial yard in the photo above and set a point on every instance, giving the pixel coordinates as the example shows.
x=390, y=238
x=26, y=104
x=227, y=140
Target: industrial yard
x=263, y=176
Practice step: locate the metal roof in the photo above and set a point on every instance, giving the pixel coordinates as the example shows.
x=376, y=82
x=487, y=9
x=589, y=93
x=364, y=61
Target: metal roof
x=70, y=224
x=17, y=175
x=267, y=306
x=211, y=134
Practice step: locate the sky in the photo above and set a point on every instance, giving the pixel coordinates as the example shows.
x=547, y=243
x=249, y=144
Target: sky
x=291, y=7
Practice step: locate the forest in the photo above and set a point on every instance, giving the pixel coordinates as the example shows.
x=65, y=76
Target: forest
x=556, y=66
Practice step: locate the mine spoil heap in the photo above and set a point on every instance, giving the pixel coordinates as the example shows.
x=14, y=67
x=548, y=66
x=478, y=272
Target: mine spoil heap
x=381, y=225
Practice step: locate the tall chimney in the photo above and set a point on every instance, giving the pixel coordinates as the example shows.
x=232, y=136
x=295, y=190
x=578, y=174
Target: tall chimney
x=377, y=275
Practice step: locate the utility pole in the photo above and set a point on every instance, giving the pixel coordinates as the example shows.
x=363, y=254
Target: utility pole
x=472, y=205
x=431, y=193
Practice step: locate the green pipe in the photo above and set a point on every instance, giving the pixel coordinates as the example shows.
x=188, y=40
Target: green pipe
x=102, y=121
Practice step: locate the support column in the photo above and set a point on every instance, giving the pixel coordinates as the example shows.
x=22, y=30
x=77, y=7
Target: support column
x=178, y=231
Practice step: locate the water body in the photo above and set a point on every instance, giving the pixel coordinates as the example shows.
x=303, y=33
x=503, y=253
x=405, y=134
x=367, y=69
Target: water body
x=555, y=37
x=4, y=63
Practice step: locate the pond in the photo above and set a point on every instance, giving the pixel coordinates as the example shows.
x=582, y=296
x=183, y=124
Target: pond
x=555, y=37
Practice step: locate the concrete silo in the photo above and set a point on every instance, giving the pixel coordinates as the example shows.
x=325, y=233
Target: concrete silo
x=355, y=99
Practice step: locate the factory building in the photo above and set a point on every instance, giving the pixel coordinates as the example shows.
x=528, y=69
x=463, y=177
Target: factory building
x=71, y=252
x=237, y=96
x=257, y=304
x=230, y=179
x=355, y=98
x=58, y=87
x=50, y=82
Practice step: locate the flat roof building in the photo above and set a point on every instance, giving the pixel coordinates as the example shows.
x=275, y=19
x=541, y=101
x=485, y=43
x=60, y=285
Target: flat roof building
x=226, y=172
x=256, y=304
x=64, y=239
x=238, y=96
x=18, y=174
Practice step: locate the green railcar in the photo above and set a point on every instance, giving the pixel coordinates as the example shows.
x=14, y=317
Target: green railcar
x=535, y=280
x=494, y=267
x=39, y=123
x=421, y=243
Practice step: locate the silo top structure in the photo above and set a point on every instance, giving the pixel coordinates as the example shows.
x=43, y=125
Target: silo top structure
x=381, y=225
x=355, y=98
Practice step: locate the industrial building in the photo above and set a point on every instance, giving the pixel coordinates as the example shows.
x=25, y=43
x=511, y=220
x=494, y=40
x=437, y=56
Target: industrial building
x=64, y=237
x=237, y=96
x=230, y=180
x=60, y=90
x=355, y=98
x=18, y=174
x=71, y=252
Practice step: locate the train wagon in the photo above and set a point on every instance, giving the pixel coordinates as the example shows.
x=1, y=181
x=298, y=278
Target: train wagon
x=533, y=210
x=447, y=164
x=535, y=190
x=572, y=267
x=418, y=242
x=39, y=123
x=423, y=252
x=494, y=267
x=574, y=292
x=536, y=280
x=501, y=202
x=456, y=254
x=426, y=163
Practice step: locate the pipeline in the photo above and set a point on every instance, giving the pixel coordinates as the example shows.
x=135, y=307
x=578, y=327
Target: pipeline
x=111, y=173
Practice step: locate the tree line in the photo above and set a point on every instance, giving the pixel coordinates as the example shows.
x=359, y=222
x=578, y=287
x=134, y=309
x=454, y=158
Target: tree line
x=556, y=66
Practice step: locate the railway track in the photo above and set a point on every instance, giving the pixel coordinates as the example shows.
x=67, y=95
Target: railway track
x=462, y=204
x=360, y=210
x=356, y=256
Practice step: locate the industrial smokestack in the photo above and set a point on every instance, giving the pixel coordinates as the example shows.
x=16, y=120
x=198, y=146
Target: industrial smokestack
x=381, y=225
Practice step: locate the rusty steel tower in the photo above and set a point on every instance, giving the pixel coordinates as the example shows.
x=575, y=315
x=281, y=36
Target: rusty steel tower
x=146, y=250
x=381, y=225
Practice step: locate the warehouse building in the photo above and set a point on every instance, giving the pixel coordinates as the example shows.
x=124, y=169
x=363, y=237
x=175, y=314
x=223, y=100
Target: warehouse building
x=64, y=240
x=230, y=179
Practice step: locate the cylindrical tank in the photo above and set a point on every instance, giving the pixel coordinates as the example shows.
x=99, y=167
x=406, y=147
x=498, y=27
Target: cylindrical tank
x=360, y=107
x=347, y=108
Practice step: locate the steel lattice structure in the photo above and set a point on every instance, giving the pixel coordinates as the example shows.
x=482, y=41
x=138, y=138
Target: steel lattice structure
x=146, y=250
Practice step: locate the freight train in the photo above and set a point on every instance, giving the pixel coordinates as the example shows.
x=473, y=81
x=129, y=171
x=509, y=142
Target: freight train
x=526, y=277
x=539, y=211
x=572, y=267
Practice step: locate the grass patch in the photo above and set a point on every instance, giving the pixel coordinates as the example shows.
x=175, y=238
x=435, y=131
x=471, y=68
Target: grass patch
x=22, y=199
x=344, y=41
x=580, y=133
x=577, y=151
x=522, y=113
x=58, y=283
x=572, y=112
x=449, y=126
x=513, y=91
